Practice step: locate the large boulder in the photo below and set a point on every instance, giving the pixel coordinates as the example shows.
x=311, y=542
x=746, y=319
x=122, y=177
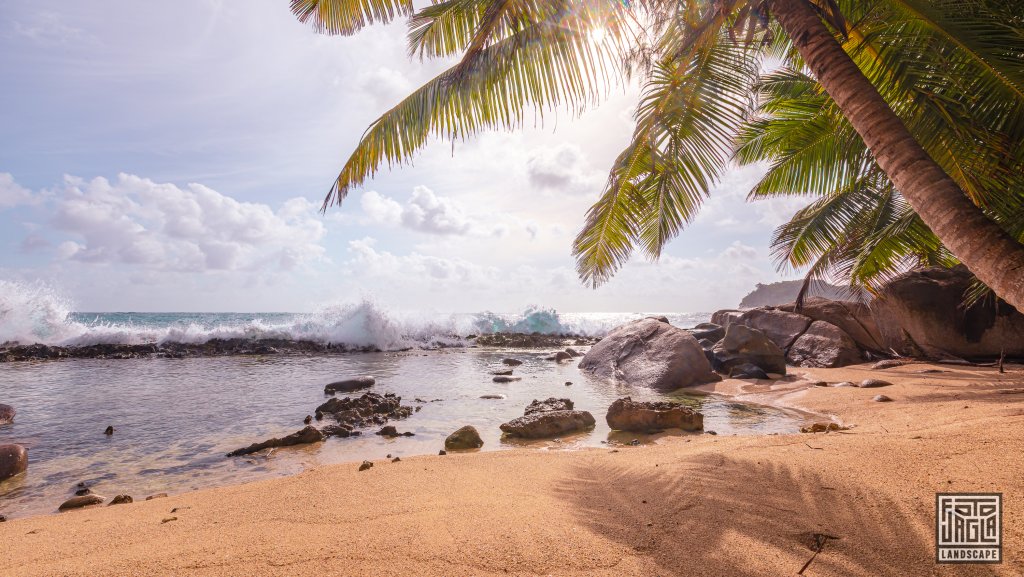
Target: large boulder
x=921, y=313
x=724, y=318
x=628, y=415
x=824, y=345
x=306, y=435
x=742, y=345
x=649, y=353
x=548, y=424
x=853, y=318
x=780, y=326
x=464, y=439
x=7, y=413
x=13, y=461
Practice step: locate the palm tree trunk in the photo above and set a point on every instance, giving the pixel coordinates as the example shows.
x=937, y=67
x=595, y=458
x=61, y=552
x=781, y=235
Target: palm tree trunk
x=979, y=242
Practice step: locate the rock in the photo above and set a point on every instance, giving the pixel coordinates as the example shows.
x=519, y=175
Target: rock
x=396, y=460
x=366, y=465
x=628, y=415
x=920, y=313
x=881, y=399
x=506, y=373
x=551, y=404
x=157, y=496
x=494, y=397
x=707, y=344
x=780, y=326
x=306, y=435
x=388, y=431
x=568, y=383
x=366, y=410
x=659, y=318
x=109, y=430
x=822, y=428
x=853, y=318
x=548, y=424
x=747, y=371
x=504, y=379
x=121, y=500
x=463, y=439
x=744, y=345
x=79, y=502
x=649, y=353
x=13, y=461
x=709, y=331
x=7, y=413
x=845, y=384
x=511, y=362
x=83, y=491
x=349, y=385
x=824, y=345
x=3, y=519
x=724, y=318
x=888, y=364
x=559, y=357
x=573, y=352
x=874, y=384
x=442, y=452
x=307, y=420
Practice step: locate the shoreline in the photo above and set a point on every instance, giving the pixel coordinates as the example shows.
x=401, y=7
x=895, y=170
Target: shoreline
x=739, y=505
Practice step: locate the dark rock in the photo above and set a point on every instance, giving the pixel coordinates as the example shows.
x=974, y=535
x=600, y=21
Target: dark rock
x=708, y=331
x=780, y=326
x=822, y=428
x=13, y=461
x=109, y=430
x=888, y=364
x=628, y=415
x=121, y=500
x=573, y=352
x=559, y=356
x=7, y=413
x=307, y=420
x=79, y=502
x=388, y=431
x=463, y=439
x=349, y=385
x=921, y=313
x=568, y=383
x=442, y=452
x=157, y=496
x=548, y=424
x=307, y=435
x=874, y=384
x=824, y=345
x=853, y=318
x=511, y=362
x=83, y=491
x=710, y=432
x=367, y=410
x=366, y=465
x=3, y=519
x=744, y=345
x=649, y=353
x=551, y=404
x=881, y=399
x=495, y=397
x=747, y=371
x=396, y=460
x=505, y=373
x=504, y=379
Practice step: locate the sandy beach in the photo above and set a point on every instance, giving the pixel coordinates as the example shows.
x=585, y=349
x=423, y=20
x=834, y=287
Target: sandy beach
x=687, y=505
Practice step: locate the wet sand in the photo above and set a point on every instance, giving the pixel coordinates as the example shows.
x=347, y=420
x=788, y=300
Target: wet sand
x=688, y=505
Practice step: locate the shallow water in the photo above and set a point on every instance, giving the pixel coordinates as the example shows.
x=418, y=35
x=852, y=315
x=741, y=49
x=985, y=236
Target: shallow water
x=176, y=419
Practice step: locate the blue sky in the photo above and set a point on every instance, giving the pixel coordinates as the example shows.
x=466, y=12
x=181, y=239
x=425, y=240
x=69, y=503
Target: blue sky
x=161, y=156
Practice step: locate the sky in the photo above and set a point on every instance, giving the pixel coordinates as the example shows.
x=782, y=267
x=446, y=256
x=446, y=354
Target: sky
x=172, y=156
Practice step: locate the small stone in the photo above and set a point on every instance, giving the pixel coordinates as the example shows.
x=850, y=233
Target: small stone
x=79, y=502
x=888, y=364
x=823, y=428
x=874, y=384
x=109, y=430
x=505, y=373
x=388, y=456
x=494, y=397
x=396, y=460
x=511, y=362
x=710, y=432
x=388, y=431
x=121, y=500
x=157, y=496
x=319, y=416
x=3, y=519
x=819, y=384
x=366, y=465
x=442, y=452
x=83, y=491
x=568, y=383
x=503, y=379
x=168, y=520
x=307, y=420
x=881, y=399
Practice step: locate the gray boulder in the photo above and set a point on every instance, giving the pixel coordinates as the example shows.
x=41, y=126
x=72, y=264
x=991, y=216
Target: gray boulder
x=852, y=317
x=824, y=345
x=649, y=353
x=780, y=326
x=464, y=439
x=551, y=404
x=628, y=415
x=349, y=385
x=548, y=424
x=13, y=461
x=744, y=345
x=7, y=413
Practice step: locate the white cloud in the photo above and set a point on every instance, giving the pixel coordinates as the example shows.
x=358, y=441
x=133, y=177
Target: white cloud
x=563, y=169
x=161, y=227
x=429, y=213
x=12, y=194
x=739, y=251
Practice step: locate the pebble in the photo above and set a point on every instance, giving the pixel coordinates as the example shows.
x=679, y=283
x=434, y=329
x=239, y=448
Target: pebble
x=568, y=383
x=366, y=465
x=109, y=430
x=874, y=384
x=168, y=520
x=881, y=399
x=396, y=460
x=710, y=433
x=121, y=500
x=442, y=452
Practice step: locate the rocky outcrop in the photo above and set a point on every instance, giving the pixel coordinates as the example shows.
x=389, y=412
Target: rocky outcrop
x=744, y=345
x=649, y=353
x=853, y=318
x=548, y=424
x=921, y=313
x=7, y=413
x=824, y=345
x=463, y=439
x=780, y=326
x=304, y=436
x=13, y=461
x=551, y=404
x=644, y=417
x=367, y=410
x=349, y=385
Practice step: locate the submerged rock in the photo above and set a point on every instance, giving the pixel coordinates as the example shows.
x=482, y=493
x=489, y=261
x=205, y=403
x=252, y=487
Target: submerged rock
x=628, y=415
x=511, y=362
x=505, y=379
x=349, y=385
x=366, y=410
x=550, y=404
x=505, y=373
x=493, y=397
x=649, y=353
x=109, y=430
x=548, y=424
x=559, y=357
x=463, y=439
x=79, y=502
x=7, y=413
x=306, y=435
x=13, y=461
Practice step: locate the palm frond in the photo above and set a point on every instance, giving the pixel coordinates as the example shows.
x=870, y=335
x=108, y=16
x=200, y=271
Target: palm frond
x=347, y=17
